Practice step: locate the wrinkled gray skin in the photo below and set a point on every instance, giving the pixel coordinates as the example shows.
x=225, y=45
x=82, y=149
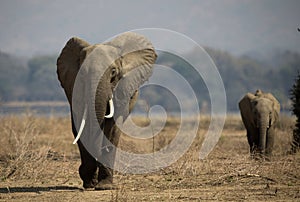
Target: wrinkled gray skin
x=73, y=55
x=260, y=113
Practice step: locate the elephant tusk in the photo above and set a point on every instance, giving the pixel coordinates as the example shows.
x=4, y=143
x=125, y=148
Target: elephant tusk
x=81, y=126
x=111, y=109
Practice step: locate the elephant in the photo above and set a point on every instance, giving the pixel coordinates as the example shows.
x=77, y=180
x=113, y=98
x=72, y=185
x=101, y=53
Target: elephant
x=260, y=112
x=101, y=83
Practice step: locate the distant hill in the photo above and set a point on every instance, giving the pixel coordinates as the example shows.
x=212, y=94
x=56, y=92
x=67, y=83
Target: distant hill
x=243, y=74
x=13, y=77
x=36, y=79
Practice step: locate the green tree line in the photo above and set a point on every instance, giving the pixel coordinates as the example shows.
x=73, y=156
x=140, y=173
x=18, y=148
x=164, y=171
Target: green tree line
x=35, y=79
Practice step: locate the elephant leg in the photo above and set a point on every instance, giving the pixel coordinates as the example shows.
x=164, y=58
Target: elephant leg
x=255, y=139
x=270, y=140
x=105, y=172
x=88, y=167
x=250, y=141
x=105, y=178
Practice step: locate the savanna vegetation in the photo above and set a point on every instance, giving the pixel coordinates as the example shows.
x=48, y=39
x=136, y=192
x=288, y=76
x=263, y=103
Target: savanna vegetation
x=39, y=163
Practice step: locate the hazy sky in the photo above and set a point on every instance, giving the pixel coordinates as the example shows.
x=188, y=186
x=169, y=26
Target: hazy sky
x=30, y=27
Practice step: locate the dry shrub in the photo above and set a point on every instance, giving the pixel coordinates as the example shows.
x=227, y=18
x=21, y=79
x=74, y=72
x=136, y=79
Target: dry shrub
x=286, y=123
x=20, y=155
x=283, y=134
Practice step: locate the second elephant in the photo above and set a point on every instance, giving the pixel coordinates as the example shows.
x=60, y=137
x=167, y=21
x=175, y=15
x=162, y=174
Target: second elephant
x=260, y=112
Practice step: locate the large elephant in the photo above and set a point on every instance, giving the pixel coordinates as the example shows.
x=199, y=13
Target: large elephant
x=101, y=83
x=260, y=113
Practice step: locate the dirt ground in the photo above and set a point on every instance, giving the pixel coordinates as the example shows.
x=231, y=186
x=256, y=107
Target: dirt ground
x=39, y=163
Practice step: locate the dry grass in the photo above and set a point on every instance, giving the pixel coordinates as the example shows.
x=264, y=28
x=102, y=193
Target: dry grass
x=29, y=148
x=39, y=163
x=21, y=154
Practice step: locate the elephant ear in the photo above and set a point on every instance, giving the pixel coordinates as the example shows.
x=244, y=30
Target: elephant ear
x=276, y=105
x=135, y=50
x=69, y=62
x=245, y=106
x=137, y=57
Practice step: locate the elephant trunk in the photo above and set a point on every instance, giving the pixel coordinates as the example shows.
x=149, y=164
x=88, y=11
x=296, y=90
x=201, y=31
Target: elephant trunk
x=103, y=101
x=263, y=135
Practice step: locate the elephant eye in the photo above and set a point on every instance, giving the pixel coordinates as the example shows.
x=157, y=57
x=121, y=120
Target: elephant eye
x=113, y=74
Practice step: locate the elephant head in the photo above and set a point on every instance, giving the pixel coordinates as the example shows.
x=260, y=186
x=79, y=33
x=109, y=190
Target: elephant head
x=100, y=80
x=259, y=113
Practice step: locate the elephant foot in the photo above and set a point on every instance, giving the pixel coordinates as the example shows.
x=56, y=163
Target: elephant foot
x=105, y=184
x=89, y=185
x=260, y=157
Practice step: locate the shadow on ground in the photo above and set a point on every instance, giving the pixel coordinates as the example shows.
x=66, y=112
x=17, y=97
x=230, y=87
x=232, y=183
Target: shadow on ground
x=37, y=189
